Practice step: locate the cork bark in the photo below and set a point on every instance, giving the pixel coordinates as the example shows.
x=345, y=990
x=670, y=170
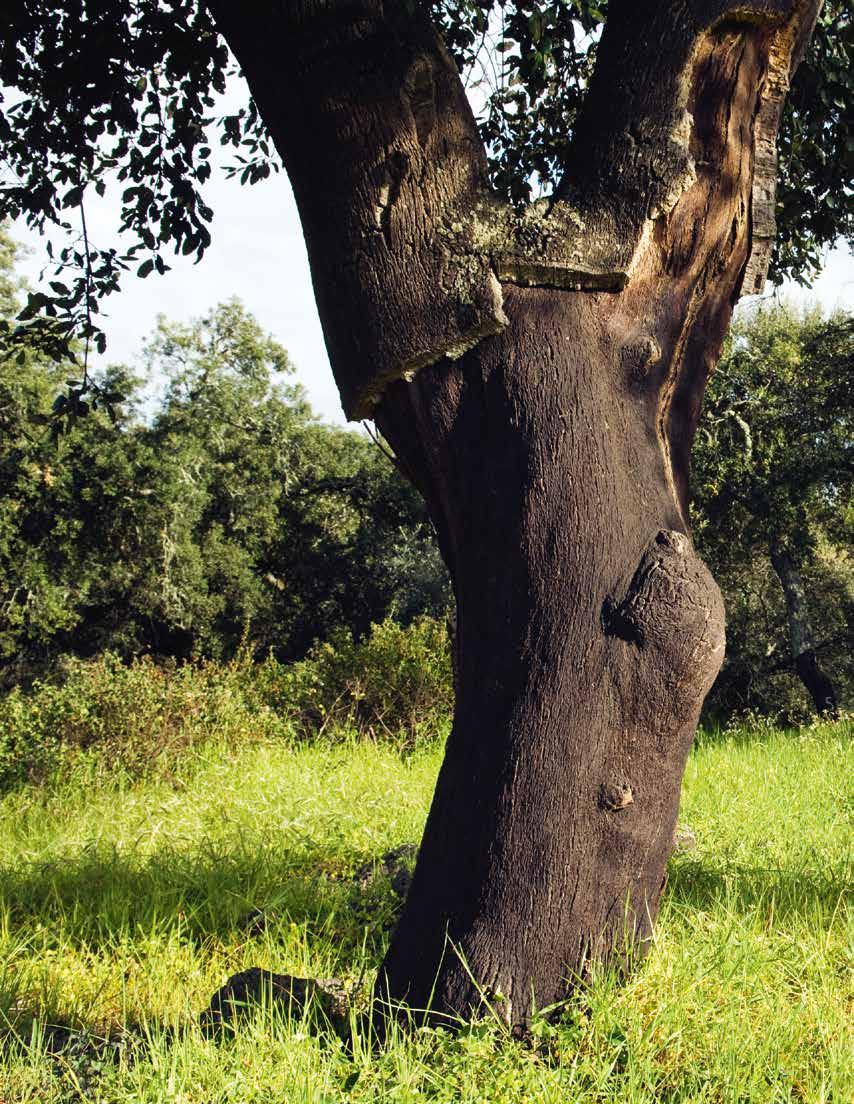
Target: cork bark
x=539, y=375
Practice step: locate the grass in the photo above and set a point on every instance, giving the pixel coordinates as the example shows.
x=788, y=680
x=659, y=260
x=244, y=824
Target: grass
x=123, y=906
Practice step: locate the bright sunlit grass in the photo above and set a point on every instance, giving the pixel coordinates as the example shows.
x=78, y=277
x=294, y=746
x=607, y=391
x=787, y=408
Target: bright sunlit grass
x=124, y=907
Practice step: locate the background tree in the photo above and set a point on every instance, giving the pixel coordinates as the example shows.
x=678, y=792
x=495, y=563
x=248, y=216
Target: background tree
x=228, y=515
x=773, y=466
x=39, y=590
x=298, y=528
x=538, y=370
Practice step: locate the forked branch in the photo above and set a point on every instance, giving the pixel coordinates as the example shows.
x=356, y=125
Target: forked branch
x=407, y=243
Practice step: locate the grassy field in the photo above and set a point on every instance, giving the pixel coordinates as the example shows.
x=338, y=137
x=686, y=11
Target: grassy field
x=125, y=904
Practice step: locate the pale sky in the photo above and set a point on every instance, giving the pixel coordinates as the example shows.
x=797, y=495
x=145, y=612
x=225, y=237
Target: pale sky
x=258, y=254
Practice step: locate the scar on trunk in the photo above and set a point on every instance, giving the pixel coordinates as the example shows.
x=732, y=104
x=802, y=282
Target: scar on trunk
x=395, y=172
x=419, y=91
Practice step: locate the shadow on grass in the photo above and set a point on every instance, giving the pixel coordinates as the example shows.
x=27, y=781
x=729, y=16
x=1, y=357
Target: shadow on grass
x=704, y=883
x=100, y=897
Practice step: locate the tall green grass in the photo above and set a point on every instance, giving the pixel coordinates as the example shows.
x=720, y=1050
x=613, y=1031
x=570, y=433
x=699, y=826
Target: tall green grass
x=126, y=903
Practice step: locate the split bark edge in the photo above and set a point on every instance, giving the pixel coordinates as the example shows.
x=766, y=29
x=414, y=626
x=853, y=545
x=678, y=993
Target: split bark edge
x=430, y=243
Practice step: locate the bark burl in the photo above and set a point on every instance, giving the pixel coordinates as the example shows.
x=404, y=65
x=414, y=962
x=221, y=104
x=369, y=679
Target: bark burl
x=539, y=374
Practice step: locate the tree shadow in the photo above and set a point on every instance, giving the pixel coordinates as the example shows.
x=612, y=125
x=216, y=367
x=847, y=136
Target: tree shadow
x=701, y=882
x=233, y=890
x=241, y=888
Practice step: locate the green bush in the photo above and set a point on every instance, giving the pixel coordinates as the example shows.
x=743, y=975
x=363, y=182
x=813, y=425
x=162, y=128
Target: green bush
x=397, y=684
x=140, y=717
x=144, y=717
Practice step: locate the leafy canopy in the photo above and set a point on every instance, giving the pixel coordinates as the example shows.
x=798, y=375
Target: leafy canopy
x=773, y=458
x=227, y=516
x=773, y=464
x=126, y=91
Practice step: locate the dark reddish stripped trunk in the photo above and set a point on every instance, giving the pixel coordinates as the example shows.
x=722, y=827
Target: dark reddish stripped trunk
x=540, y=377
x=801, y=640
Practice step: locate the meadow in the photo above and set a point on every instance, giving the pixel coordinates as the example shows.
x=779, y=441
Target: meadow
x=128, y=897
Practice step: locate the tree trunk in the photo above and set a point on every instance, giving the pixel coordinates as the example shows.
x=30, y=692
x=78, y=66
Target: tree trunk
x=588, y=635
x=539, y=376
x=801, y=640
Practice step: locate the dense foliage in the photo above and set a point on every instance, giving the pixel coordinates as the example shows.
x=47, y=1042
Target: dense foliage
x=124, y=94
x=226, y=514
x=221, y=515
x=773, y=465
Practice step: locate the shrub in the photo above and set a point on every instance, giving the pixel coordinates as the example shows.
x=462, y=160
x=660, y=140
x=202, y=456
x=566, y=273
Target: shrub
x=140, y=717
x=145, y=717
x=397, y=684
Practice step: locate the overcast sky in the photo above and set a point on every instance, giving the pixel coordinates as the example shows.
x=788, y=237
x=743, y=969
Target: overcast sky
x=258, y=254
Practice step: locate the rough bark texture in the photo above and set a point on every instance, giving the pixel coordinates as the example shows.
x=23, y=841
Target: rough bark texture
x=369, y=115
x=406, y=243
x=801, y=640
x=553, y=453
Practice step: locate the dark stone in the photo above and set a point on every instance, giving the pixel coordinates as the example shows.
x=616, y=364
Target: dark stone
x=255, y=986
x=396, y=865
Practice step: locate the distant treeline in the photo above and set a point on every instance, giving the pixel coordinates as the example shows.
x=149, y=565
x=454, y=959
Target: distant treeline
x=773, y=512
x=221, y=515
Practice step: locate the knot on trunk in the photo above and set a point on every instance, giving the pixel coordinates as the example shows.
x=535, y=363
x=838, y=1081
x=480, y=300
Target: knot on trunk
x=638, y=357
x=614, y=796
x=671, y=623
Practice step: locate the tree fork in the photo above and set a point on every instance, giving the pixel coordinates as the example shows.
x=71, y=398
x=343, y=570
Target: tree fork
x=561, y=356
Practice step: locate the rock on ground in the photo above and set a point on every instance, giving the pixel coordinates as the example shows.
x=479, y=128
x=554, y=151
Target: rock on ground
x=256, y=986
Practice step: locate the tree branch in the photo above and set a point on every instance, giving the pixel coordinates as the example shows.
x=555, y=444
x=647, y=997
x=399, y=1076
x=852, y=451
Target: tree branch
x=408, y=247
x=371, y=119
